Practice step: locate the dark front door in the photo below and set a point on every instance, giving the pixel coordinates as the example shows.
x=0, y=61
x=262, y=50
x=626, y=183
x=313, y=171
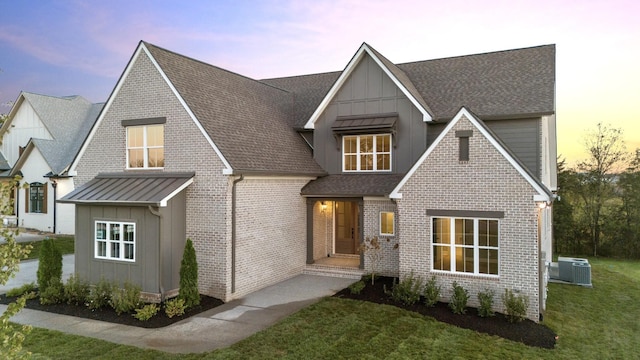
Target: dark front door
x=346, y=239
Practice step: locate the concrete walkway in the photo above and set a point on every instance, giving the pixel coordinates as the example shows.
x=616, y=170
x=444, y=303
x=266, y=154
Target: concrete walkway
x=214, y=329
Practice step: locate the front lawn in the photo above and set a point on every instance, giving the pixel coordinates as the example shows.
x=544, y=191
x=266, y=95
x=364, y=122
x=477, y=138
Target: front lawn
x=592, y=323
x=64, y=243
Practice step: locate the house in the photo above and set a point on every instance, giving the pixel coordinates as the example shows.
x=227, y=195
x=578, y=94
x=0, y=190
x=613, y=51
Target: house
x=452, y=160
x=41, y=136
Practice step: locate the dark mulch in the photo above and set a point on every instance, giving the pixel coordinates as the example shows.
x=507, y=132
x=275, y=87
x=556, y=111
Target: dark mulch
x=109, y=315
x=526, y=331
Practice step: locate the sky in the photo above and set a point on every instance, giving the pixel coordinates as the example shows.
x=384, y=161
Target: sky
x=81, y=47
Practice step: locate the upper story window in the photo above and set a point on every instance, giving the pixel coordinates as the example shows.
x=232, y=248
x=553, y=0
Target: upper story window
x=145, y=146
x=366, y=152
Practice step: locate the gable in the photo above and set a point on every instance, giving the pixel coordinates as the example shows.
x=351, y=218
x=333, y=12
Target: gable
x=24, y=123
x=393, y=73
x=474, y=170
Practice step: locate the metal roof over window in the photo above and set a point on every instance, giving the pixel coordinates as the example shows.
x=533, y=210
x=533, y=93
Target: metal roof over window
x=367, y=123
x=132, y=189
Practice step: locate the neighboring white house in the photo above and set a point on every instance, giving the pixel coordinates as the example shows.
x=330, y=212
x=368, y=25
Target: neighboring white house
x=39, y=139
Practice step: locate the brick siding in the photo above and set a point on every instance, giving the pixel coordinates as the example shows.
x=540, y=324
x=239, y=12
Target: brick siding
x=487, y=182
x=389, y=263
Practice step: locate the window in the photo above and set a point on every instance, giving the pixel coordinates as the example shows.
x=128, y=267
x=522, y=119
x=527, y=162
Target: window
x=465, y=245
x=115, y=240
x=386, y=223
x=36, y=198
x=145, y=146
x=366, y=153
x=463, y=144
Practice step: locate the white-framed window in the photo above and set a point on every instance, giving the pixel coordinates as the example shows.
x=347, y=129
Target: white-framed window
x=386, y=223
x=465, y=245
x=366, y=152
x=145, y=146
x=115, y=240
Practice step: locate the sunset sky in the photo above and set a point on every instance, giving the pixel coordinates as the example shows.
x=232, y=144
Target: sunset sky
x=78, y=47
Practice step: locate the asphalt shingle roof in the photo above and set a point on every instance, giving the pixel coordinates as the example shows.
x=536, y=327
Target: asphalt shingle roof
x=352, y=185
x=68, y=120
x=249, y=121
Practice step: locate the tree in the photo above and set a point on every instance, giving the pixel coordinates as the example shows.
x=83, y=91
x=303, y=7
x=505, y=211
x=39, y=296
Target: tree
x=607, y=154
x=626, y=223
x=11, y=252
x=189, y=276
x=563, y=211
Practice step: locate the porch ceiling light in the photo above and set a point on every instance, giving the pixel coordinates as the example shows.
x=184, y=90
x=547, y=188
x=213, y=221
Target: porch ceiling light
x=323, y=206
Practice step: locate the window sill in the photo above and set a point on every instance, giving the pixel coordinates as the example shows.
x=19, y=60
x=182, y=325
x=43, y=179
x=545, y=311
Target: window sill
x=467, y=275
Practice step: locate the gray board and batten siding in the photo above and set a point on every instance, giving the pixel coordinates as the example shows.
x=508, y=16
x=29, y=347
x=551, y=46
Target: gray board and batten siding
x=369, y=91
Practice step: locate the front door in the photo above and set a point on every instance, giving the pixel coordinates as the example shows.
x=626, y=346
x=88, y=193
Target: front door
x=346, y=224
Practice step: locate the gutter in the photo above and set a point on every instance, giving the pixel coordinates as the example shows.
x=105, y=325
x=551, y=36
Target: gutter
x=233, y=232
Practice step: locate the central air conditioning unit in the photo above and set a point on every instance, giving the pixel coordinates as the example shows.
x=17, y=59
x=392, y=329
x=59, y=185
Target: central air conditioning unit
x=571, y=270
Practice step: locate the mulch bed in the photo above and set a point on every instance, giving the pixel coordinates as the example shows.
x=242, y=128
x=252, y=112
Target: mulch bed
x=526, y=331
x=109, y=315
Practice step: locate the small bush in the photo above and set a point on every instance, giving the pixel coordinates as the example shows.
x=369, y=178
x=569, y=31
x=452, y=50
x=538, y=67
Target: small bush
x=76, y=291
x=49, y=266
x=486, y=303
x=19, y=291
x=356, y=287
x=458, y=303
x=126, y=299
x=53, y=293
x=174, y=307
x=147, y=312
x=431, y=292
x=408, y=290
x=515, y=305
x=189, y=276
x=100, y=294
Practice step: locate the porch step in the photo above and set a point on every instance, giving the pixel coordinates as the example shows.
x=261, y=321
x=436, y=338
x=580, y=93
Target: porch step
x=332, y=271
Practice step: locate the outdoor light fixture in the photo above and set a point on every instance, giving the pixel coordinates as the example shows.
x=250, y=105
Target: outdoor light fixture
x=323, y=206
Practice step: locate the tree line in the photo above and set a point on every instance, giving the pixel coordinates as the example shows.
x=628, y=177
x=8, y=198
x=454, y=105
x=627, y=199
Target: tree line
x=598, y=207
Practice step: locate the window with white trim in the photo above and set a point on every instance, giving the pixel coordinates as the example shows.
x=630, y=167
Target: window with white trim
x=145, y=146
x=386, y=223
x=465, y=245
x=366, y=152
x=115, y=240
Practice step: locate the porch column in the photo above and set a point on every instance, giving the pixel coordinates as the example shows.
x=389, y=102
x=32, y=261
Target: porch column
x=310, y=204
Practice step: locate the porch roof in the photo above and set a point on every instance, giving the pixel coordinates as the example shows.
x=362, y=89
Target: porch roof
x=352, y=185
x=133, y=189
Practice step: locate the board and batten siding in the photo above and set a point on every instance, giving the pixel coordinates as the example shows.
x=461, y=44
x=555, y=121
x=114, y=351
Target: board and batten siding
x=159, y=244
x=369, y=91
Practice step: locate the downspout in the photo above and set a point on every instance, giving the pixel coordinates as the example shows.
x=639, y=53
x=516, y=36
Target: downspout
x=233, y=233
x=54, y=184
x=161, y=286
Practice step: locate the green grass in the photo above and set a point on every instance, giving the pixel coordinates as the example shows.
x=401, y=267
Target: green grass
x=64, y=243
x=592, y=323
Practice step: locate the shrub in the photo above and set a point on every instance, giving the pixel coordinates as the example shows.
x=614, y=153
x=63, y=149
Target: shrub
x=53, y=293
x=458, y=303
x=125, y=299
x=76, y=291
x=431, y=292
x=49, y=266
x=486, y=303
x=189, y=276
x=408, y=290
x=356, y=287
x=515, y=305
x=147, y=312
x=100, y=294
x=174, y=307
x=19, y=291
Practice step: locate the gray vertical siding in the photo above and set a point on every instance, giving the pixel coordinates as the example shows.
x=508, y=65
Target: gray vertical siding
x=173, y=239
x=369, y=90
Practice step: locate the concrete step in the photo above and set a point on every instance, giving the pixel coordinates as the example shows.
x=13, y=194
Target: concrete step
x=332, y=271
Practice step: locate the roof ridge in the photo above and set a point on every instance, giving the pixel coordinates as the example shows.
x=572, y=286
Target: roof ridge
x=210, y=65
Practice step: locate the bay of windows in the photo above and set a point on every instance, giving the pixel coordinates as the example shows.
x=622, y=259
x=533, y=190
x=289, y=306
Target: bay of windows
x=465, y=245
x=145, y=146
x=366, y=152
x=115, y=240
